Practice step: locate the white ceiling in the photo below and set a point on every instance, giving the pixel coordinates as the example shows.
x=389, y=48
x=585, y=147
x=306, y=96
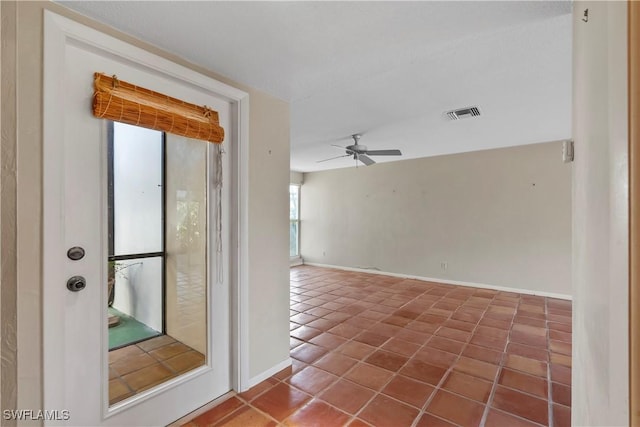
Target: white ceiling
x=388, y=70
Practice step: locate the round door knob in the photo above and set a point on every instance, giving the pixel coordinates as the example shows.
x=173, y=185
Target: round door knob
x=76, y=283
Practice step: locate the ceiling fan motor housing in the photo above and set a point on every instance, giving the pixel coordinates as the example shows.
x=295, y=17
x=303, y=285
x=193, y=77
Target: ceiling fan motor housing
x=357, y=148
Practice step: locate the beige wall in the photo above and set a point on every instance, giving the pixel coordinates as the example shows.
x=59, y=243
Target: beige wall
x=269, y=233
x=8, y=290
x=600, y=216
x=268, y=175
x=296, y=177
x=497, y=217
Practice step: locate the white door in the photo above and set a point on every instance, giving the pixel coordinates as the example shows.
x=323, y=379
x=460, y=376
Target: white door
x=76, y=175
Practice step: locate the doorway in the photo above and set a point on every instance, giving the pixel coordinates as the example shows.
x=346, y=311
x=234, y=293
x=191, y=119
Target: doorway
x=156, y=272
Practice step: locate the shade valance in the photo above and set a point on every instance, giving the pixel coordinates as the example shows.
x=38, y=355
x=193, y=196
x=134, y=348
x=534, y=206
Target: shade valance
x=124, y=102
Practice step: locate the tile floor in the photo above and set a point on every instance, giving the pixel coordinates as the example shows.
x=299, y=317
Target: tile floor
x=138, y=367
x=372, y=350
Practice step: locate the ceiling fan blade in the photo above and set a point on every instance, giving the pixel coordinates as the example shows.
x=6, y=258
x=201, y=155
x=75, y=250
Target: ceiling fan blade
x=339, y=146
x=366, y=160
x=384, y=153
x=333, y=158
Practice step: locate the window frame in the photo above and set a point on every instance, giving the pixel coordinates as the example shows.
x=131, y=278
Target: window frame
x=111, y=257
x=296, y=221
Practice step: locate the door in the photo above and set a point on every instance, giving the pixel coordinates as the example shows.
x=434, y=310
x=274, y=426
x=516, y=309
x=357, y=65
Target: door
x=134, y=211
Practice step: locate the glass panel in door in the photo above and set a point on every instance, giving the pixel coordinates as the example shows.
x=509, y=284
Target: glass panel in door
x=157, y=258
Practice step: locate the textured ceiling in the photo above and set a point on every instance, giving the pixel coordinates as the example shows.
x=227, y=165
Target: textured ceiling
x=385, y=69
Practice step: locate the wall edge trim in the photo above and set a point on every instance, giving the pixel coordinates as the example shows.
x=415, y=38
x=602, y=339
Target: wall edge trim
x=270, y=372
x=447, y=281
x=633, y=76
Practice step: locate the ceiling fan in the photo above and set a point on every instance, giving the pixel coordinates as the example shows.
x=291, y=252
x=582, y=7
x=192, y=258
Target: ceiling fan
x=361, y=153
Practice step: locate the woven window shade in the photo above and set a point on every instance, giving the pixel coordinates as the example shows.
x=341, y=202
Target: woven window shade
x=124, y=102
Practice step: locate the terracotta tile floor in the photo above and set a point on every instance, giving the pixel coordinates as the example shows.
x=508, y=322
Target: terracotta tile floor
x=382, y=351
x=140, y=366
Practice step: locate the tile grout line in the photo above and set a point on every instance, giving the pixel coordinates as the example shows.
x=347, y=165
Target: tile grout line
x=251, y=405
x=420, y=347
x=421, y=411
x=494, y=386
x=450, y=368
x=343, y=376
x=468, y=340
x=379, y=392
x=549, y=382
x=157, y=361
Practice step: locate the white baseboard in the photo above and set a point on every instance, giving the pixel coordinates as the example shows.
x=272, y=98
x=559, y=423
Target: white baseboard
x=269, y=372
x=294, y=262
x=201, y=410
x=446, y=281
x=252, y=381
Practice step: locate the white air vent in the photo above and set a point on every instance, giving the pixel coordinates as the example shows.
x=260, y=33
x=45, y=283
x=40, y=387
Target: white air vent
x=463, y=113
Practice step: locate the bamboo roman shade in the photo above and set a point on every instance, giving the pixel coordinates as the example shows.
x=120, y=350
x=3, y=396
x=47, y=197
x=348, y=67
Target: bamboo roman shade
x=124, y=102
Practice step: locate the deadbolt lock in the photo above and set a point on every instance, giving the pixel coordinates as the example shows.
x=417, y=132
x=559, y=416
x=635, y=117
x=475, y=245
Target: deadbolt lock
x=75, y=253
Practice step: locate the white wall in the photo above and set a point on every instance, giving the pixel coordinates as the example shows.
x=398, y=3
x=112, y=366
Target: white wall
x=497, y=217
x=137, y=182
x=600, y=216
x=268, y=224
x=137, y=193
x=138, y=291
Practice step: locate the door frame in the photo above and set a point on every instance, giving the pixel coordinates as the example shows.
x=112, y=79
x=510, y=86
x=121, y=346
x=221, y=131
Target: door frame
x=60, y=32
x=634, y=210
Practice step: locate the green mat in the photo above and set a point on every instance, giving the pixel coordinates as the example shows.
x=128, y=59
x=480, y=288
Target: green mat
x=129, y=331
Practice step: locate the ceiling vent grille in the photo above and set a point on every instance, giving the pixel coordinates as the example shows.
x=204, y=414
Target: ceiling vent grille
x=463, y=113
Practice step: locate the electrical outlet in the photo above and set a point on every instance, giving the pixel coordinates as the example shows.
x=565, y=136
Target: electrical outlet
x=444, y=265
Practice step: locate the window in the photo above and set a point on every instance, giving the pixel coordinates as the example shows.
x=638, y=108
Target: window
x=294, y=221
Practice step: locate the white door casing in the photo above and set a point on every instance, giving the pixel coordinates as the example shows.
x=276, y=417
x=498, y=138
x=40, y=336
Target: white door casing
x=74, y=324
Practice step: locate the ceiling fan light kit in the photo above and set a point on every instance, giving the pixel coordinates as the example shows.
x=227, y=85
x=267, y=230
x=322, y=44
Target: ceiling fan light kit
x=361, y=152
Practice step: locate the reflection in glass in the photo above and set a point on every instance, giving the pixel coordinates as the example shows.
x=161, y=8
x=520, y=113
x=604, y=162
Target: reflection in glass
x=293, y=238
x=294, y=220
x=157, y=275
x=137, y=300
x=294, y=191
x=187, y=240
x=137, y=190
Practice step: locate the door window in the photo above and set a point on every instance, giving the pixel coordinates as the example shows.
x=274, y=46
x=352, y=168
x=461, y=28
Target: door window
x=157, y=210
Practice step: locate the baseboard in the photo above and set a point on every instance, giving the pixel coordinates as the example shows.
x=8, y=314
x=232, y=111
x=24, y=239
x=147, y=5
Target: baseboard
x=253, y=381
x=294, y=262
x=446, y=281
x=201, y=410
x=269, y=372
